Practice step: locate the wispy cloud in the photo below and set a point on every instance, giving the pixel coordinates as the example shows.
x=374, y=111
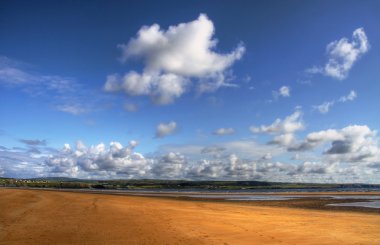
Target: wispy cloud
x=224, y=131
x=66, y=94
x=33, y=142
x=342, y=55
x=350, y=97
x=326, y=106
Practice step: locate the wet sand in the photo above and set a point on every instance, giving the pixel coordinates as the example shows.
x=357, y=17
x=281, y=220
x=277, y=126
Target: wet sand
x=55, y=217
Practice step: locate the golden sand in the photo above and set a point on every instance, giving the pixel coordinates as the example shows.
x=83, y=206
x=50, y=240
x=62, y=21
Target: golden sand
x=54, y=217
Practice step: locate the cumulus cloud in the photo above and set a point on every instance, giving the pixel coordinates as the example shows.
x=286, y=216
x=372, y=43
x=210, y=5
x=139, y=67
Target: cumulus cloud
x=165, y=129
x=115, y=161
x=358, y=143
x=162, y=88
x=224, y=131
x=354, y=158
x=326, y=106
x=99, y=160
x=283, y=130
x=355, y=143
x=172, y=59
x=226, y=167
x=343, y=54
x=170, y=166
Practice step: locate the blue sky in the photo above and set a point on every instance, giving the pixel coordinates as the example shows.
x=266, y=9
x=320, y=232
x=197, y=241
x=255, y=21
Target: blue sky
x=261, y=90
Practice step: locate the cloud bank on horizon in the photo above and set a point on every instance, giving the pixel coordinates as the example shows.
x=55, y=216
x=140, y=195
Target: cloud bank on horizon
x=163, y=97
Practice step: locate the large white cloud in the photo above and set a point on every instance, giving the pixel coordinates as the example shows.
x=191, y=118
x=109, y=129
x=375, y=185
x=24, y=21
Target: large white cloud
x=343, y=54
x=171, y=59
x=355, y=143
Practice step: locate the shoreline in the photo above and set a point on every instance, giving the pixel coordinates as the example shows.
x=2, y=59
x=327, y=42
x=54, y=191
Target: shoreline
x=302, y=200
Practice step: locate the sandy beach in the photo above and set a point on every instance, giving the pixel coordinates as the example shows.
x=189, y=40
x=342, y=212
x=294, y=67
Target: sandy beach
x=54, y=217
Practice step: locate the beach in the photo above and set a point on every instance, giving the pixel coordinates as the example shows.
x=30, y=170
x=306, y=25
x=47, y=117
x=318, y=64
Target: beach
x=56, y=217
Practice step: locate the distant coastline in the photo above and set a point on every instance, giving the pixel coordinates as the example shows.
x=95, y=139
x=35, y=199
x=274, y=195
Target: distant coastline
x=184, y=185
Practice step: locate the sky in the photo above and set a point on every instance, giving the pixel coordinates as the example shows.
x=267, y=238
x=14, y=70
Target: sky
x=198, y=90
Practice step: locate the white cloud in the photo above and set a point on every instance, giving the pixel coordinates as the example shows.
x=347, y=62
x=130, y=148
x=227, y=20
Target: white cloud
x=99, y=161
x=355, y=143
x=289, y=125
x=284, y=91
x=184, y=49
x=326, y=106
x=343, y=54
x=165, y=129
x=170, y=166
x=284, y=130
x=75, y=109
x=359, y=144
x=224, y=131
x=171, y=59
x=352, y=155
x=350, y=97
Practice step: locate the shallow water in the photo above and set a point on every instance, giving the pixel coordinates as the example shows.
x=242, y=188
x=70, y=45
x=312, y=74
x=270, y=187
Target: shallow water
x=256, y=197
x=371, y=204
x=247, y=197
x=229, y=197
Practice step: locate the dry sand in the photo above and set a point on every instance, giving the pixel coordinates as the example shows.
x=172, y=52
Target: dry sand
x=54, y=217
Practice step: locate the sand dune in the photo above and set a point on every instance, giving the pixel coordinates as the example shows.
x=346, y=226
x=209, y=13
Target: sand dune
x=53, y=217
